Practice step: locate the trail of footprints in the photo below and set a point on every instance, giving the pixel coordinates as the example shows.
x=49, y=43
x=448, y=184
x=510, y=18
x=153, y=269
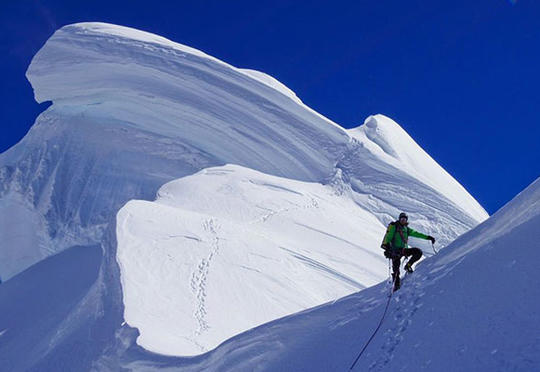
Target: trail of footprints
x=200, y=275
x=312, y=203
x=406, y=305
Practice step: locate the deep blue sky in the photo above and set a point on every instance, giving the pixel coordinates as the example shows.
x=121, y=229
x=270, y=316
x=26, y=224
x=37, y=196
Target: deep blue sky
x=461, y=76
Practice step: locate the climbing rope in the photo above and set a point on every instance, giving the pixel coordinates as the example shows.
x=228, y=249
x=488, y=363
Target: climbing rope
x=382, y=318
x=392, y=280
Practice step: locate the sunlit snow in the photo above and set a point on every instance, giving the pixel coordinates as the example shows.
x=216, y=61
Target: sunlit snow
x=169, y=200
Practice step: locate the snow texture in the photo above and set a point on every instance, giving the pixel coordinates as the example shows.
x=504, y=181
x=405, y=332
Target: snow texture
x=472, y=307
x=131, y=112
x=230, y=248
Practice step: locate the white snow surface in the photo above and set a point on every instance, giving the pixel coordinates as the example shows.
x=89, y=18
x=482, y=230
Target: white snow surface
x=230, y=248
x=472, y=307
x=272, y=82
x=133, y=111
x=385, y=138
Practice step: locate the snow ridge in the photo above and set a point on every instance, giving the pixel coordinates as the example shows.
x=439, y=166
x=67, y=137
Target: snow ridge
x=282, y=246
x=134, y=113
x=134, y=110
x=400, y=150
x=468, y=308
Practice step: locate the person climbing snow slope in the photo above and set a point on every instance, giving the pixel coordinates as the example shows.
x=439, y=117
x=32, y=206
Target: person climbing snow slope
x=395, y=246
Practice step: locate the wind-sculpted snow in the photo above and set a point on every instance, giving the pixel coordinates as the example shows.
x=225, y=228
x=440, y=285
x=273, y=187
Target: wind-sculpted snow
x=392, y=145
x=148, y=84
x=132, y=111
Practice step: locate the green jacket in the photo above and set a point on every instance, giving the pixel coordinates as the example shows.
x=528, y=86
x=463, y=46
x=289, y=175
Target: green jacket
x=393, y=237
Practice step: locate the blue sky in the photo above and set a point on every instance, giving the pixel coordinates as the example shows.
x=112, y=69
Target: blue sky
x=462, y=77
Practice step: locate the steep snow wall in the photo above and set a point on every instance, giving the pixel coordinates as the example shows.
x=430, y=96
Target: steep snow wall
x=131, y=112
x=151, y=84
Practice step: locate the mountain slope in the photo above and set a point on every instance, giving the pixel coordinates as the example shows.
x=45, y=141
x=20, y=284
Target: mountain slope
x=132, y=111
x=229, y=248
x=472, y=307
x=385, y=138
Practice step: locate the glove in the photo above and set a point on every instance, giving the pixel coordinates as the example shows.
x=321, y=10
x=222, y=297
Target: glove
x=385, y=246
x=432, y=239
x=388, y=253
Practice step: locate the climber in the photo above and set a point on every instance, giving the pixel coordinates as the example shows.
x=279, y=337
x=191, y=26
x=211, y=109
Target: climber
x=395, y=246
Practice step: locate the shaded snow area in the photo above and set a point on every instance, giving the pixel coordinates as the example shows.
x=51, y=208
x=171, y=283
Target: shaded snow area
x=23, y=228
x=472, y=307
x=40, y=312
x=243, y=204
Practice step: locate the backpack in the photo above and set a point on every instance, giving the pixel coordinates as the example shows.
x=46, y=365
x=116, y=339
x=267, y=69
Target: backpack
x=399, y=229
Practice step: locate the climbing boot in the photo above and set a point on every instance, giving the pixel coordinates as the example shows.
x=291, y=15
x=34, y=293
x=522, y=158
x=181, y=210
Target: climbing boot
x=408, y=268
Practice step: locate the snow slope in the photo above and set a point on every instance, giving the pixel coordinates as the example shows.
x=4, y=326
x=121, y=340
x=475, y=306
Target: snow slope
x=472, y=307
x=385, y=138
x=230, y=248
x=132, y=111
x=41, y=311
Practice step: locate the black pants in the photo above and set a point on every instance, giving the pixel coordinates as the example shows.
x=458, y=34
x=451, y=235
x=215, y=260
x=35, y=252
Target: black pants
x=416, y=254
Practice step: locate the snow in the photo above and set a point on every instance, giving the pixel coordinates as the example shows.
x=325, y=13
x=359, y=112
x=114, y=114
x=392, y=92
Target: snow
x=22, y=236
x=230, y=248
x=272, y=82
x=385, y=138
x=41, y=306
x=130, y=113
x=471, y=307
x=189, y=259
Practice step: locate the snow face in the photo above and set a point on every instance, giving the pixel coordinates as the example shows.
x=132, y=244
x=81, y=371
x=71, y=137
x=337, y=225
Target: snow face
x=164, y=89
x=132, y=111
x=229, y=248
x=471, y=307
x=385, y=138
x=212, y=238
